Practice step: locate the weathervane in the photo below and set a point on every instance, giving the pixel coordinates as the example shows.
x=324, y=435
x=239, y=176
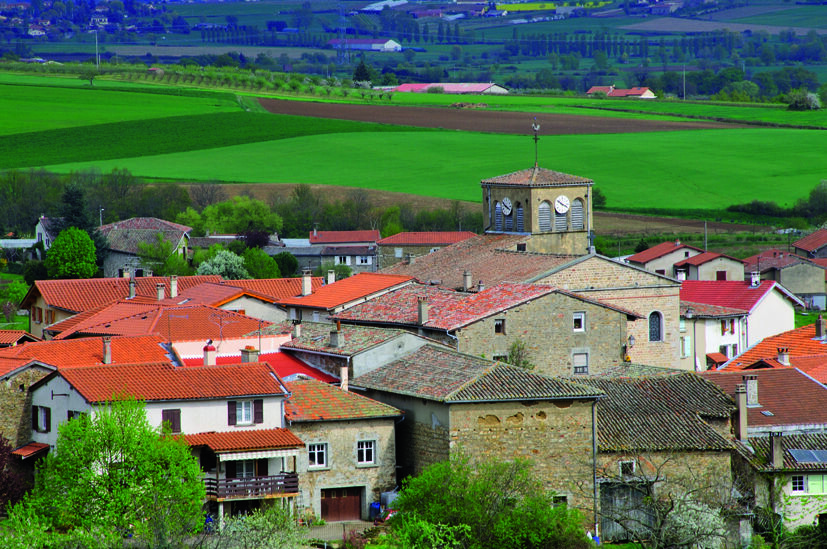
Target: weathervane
x=536, y=127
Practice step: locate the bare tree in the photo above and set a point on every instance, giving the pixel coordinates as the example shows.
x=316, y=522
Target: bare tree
x=205, y=194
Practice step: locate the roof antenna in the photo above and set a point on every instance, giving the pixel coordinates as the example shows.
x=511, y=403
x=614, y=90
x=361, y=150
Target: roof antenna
x=536, y=127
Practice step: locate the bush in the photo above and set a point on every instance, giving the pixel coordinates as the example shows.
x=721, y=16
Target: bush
x=802, y=100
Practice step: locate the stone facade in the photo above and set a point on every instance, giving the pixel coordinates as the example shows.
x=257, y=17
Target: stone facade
x=342, y=469
x=16, y=405
x=637, y=290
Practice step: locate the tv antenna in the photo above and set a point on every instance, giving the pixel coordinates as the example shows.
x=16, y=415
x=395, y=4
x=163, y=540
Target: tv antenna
x=536, y=127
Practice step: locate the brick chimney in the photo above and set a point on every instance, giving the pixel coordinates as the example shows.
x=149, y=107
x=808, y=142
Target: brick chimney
x=307, y=284
x=741, y=406
x=107, y=350
x=331, y=276
x=776, y=451
x=784, y=356
x=173, y=286
x=159, y=288
x=209, y=354
x=422, y=310
x=249, y=354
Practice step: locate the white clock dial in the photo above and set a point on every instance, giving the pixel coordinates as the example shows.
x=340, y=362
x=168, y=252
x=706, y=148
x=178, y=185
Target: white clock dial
x=507, y=206
x=561, y=204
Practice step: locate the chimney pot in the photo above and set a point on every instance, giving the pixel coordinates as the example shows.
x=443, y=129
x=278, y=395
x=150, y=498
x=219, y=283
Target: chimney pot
x=751, y=384
x=131, y=288
x=331, y=276
x=755, y=279
x=307, y=284
x=820, y=327
x=480, y=286
x=411, y=259
x=209, y=354
x=107, y=350
x=173, y=286
x=334, y=340
x=297, y=330
x=249, y=354
x=784, y=356
x=466, y=281
x=159, y=288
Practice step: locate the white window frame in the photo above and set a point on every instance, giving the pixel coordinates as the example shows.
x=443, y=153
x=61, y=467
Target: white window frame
x=397, y=252
x=366, y=452
x=581, y=317
x=245, y=468
x=363, y=260
x=317, y=455
x=244, y=412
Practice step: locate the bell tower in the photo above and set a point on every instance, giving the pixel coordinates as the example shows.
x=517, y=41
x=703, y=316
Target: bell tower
x=553, y=207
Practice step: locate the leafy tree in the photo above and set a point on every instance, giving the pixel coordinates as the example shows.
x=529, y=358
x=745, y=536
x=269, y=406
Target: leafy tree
x=13, y=293
x=89, y=74
x=240, y=214
x=802, y=100
x=259, y=264
x=269, y=527
x=598, y=198
x=225, y=264
x=641, y=245
x=161, y=258
x=342, y=271
x=113, y=475
x=491, y=504
x=518, y=355
x=287, y=262
x=34, y=270
x=72, y=255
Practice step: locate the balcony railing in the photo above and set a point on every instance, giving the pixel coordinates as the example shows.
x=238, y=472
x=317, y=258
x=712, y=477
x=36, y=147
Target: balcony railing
x=251, y=487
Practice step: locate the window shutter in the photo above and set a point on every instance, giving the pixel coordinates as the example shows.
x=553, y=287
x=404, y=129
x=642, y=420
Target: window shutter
x=229, y=469
x=544, y=215
x=577, y=215
x=258, y=411
x=35, y=426
x=498, y=217
x=47, y=420
x=231, y=412
x=520, y=226
x=509, y=222
x=560, y=222
x=176, y=421
x=261, y=468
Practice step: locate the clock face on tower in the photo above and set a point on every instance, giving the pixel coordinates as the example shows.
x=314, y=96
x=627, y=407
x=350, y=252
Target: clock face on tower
x=561, y=204
x=507, y=206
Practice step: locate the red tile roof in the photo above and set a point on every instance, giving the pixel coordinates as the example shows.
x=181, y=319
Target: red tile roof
x=660, y=250
x=801, y=342
x=492, y=259
x=89, y=351
x=29, y=450
x=791, y=396
x=702, y=310
x=311, y=400
x=162, y=381
x=344, y=237
x=536, y=177
x=774, y=259
x=11, y=337
x=702, y=258
x=736, y=294
x=276, y=288
x=350, y=289
x=315, y=336
x=84, y=294
x=813, y=241
x=245, y=440
x=717, y=358
x=442, y=238
x=285, y=365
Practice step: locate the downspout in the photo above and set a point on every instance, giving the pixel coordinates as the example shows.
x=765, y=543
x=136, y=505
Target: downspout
x=489, y=210
x=594, y=466
x=455, y=338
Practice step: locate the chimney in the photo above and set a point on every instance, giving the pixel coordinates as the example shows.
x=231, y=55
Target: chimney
x=307, y=285
x=820, y=327
x=751, y=383
x=466, y=281
x=755, y=279
x=776, y=451
x=173, y=286
x=159, y=288
x=209, y=354
x=480, y=286
x=741, y=404
x=784, y=356
x=411, y=259
x=249, y=354
x=677, y=243
x=343, y=374
x=334, y=339
x=297, y=330
x=315, y=231
x=131, y=288
x=422, y=311
x=107, y=350
x=331, y=276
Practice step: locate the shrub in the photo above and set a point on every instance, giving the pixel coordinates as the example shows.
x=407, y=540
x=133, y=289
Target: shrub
x=802, y=100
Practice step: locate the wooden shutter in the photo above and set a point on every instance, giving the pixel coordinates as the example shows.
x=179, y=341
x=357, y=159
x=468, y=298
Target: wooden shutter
x=231, y=420
x=498, y=217
x=544, y=216
x=577, y=215
x=520, y=225
x=258, y=411
x=173, y=417
x=47, y=420
x=261, y=468
x=509, y=222
x=560, y=222
x=229, y=469
x=35, y=426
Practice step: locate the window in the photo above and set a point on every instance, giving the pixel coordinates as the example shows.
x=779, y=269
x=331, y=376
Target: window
x=498, y=217
x=41, y=419
x=815, y=484
x=561, y=221
x=579, y=322
x=724, y=327
x=172, y=419
x=245, y=412
x=316, y=316
x=720, y=275
x=366, y=452
x=520, y=218
x=724, y=350
x=499, y=326
x=544, y=216
x=342, y=260
x=364, y=260
x=685, y=254
x=660, y=271
x=580, y=361
x=509, y=222
x=317, y=454
x=245, y=468
x=499, y=358
x=686, y=346
x=682, y=325
x=397, y=252
x=798, y=483
x=433, y=250
x=521, y=247
x=556, y=501
x=577, y=222
x=73, y=414
x=627, y=468
x=655, y=327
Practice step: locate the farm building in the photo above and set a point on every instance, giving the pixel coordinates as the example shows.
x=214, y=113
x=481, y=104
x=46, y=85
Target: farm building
x=611, y=91
x=460, y=87
x=369, y=44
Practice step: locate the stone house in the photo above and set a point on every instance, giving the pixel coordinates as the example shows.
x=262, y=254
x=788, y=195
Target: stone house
x=410, y=245
x=709, y=266
x=125, y=237
x=350, y=454
x=662, y=257
x=802, y=276
x=812, y=245
x=563, y=333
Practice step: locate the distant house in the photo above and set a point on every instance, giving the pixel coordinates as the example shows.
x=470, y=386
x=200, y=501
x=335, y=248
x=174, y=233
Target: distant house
x=803, y=276
x=662, y=257
x=367, y=44
x=452, y=87
x=394, y=249
x=125, y=237
x=11, y=338
x=47, y=229
x=812, y=245
x=611, y=91
x=709, y=266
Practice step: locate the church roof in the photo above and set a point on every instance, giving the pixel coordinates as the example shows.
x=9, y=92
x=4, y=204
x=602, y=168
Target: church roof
x=536, y=177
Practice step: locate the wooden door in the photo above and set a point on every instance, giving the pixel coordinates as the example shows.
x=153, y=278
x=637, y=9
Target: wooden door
x=342, y=504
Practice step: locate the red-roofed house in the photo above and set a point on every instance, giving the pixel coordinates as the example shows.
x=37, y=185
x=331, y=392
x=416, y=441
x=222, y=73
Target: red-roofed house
x=770, y=307
x=611, y=91
x=11, y=338
x=351, y=449
x=805, y=277
x=662, y=257
x=394, y=249
x=709, y=266
x=812, y=245
x=125, y=237
x=232, y=416
x=485, y=88
x=579, y=336
x=341, y=238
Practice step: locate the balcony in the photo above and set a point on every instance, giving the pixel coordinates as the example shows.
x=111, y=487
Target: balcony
x=285, y=484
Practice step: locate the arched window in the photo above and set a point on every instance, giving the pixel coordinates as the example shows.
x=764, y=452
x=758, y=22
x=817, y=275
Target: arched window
x=498, y=216
x=544, y=216
x=577, y=222
x=520, y=225
x=655, y=326
x=560, y=221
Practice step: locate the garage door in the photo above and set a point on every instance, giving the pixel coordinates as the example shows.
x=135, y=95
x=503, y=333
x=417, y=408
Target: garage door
x=342, y=504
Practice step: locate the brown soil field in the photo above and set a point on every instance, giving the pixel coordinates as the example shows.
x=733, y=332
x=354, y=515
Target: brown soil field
x=678, y=25
x=478, y=120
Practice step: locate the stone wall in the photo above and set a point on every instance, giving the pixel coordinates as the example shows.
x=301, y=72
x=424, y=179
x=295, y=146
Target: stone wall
x=16, y=405
x=387, y=255
x=342, y=470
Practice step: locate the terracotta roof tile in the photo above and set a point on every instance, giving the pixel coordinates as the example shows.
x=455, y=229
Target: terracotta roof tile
x=813, y=241
x=735, y=294
x=762, y=451
x=773, y=259
x=489, y=259
x=704, y=310
x=660, y=250
x=29, y=450
x=311, y=400
x=801, y=342
x=162, y=381
x=126, y=236
x=245, y=440
x=89, y=351
x=437, y=373
x=776, y=388
x=704, y=257
x=276, y=288
x=659, y=413
x=536, y=177
x=353, y=339
x=432, y=238
x=344, y=237
x=11, y=337
x=286, y=366
x=342, y=292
